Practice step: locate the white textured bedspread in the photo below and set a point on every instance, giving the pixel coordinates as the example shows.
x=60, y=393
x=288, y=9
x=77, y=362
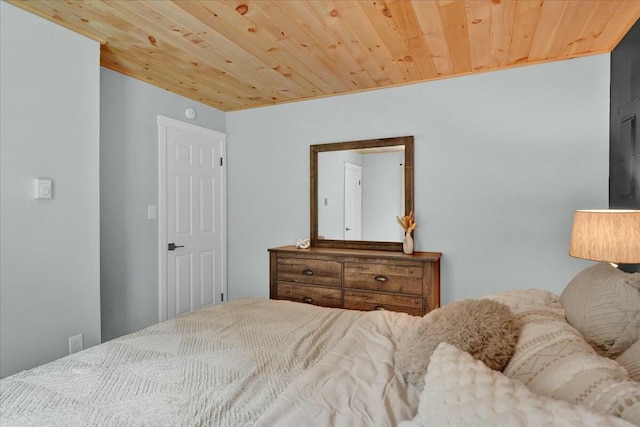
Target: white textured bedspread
x=355, y=384
x=232, y=364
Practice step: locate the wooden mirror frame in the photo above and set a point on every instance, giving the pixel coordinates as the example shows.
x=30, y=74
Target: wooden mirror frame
x=407, y=141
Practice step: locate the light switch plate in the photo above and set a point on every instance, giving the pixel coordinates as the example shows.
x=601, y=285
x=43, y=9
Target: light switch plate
x=42, y=188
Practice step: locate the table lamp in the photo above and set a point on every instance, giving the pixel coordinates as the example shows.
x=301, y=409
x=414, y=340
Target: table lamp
x=611, y=235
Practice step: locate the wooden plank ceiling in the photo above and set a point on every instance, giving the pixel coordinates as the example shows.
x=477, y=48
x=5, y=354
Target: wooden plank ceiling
x=236, y=54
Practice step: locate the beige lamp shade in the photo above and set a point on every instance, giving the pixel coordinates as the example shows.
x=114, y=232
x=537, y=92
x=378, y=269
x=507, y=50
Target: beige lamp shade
x=606, y=235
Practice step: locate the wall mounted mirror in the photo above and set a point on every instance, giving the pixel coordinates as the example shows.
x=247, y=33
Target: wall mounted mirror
x=358, y=188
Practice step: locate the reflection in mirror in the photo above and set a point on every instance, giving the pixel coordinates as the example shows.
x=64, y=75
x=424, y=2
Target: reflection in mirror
x=358, y=188
x=360, y=194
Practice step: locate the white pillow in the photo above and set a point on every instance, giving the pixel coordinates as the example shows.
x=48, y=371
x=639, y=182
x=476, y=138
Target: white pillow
x=553, y=359
x=461, y=391
x=630, y=359
x=521, y=299
x=603, y=303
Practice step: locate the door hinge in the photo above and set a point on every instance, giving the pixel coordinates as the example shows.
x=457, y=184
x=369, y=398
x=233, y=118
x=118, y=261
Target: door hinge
x=222, y=297
x=221, y=162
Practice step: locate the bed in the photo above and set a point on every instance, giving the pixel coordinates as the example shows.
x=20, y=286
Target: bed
x=267, y=362
x=224, y=365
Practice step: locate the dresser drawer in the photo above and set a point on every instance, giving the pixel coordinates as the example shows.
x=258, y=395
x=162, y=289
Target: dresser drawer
x=315, y=295
x=382, y=277
x=356, y=279
x=310, y=271
x=366, y=301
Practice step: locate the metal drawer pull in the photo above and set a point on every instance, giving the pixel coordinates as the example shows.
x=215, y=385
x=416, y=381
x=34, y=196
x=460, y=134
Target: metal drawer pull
x=380, y=308
x=307, y=300
x=307, y=272
x=382, y=279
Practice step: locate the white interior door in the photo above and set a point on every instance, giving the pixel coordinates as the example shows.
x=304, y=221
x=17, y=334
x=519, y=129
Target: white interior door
x=352, y=201
x=193, y=245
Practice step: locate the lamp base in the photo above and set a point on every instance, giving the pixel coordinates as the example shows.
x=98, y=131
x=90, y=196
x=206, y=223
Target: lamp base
x=629, y=268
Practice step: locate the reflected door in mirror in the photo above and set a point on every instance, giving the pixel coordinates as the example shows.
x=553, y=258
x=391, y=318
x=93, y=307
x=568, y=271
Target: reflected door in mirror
x=352, y=201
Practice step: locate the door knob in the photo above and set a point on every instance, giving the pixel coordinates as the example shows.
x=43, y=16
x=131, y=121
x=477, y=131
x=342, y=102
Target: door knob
x=173, y=246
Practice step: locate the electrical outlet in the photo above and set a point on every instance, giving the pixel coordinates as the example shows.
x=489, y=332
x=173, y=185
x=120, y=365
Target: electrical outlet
x=76, y=343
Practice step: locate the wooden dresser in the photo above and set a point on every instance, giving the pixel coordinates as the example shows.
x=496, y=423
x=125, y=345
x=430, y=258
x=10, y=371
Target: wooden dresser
x=356, y=279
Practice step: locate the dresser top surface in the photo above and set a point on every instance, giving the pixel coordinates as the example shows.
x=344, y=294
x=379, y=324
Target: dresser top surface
x=416, y=256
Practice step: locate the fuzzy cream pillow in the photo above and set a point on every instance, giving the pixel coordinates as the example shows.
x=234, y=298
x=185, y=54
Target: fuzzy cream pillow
x=484, y=328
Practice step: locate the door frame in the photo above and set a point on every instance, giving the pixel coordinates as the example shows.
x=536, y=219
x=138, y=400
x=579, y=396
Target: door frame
x=164, y=123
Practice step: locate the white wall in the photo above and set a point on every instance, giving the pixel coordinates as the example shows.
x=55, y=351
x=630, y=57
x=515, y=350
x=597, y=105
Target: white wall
x=128, y=184
x=49, y=121
x=502, y=159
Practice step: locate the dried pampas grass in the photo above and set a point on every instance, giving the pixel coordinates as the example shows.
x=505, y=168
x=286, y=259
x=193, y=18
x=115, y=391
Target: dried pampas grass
x=407, y=222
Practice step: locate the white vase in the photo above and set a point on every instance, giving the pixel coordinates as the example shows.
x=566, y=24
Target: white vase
x=407, y=244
